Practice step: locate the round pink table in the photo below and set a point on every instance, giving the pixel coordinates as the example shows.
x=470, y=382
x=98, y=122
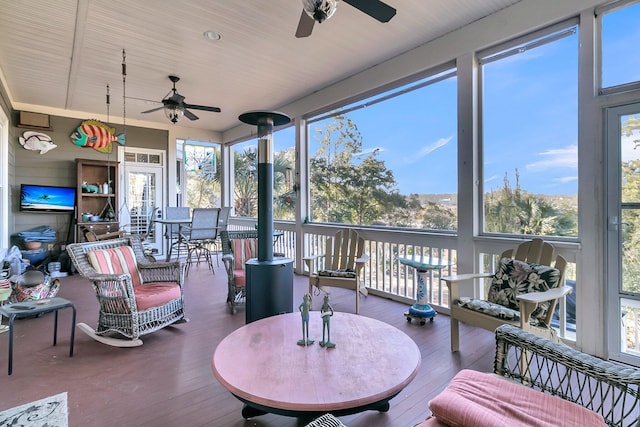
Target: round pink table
x=262, y=365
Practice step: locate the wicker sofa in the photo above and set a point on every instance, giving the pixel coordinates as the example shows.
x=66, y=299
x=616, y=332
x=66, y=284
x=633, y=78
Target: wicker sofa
x=562, y=386
x=547, y=384
x=136, y=296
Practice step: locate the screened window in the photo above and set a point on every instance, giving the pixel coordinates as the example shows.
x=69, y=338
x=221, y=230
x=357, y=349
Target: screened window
x=245, y=158
x=530, y=135
x=202, y=170
x=620, y=40
x=390, y=160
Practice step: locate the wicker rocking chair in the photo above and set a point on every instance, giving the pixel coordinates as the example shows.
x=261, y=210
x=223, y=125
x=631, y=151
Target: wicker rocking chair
x=136, y=296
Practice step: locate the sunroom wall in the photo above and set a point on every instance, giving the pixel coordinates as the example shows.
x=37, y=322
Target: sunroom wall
x=461, y=46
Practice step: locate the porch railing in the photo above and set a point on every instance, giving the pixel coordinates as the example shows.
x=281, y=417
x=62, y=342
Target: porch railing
x=385, y=276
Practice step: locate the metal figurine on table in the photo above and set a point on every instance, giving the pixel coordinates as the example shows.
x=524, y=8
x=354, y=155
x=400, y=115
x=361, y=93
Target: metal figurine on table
x=304, y=312
x=326, y=312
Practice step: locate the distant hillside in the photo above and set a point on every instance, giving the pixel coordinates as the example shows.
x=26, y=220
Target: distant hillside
x=445, y=199
x=451, y=199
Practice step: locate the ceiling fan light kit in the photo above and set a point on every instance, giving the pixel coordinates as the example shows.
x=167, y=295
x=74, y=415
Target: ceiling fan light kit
x=174, y=106
x=173, y=112
x=320, y=10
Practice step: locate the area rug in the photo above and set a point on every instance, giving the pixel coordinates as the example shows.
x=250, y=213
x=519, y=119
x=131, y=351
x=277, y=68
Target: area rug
x=48, y=412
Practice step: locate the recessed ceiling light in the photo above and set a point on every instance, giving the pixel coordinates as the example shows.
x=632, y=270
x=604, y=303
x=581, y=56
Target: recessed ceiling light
x=212, y=35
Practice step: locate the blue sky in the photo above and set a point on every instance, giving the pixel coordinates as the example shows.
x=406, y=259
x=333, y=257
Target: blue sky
x=530, y=118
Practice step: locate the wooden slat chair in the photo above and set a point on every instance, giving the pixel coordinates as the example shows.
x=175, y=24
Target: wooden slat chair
x=524, y=292
x=136, y=296
x=91, y=236
x=344, y=259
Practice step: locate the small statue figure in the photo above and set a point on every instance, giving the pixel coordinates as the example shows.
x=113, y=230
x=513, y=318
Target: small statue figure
x=88, y=188
x=304, y=311
x=326, y=312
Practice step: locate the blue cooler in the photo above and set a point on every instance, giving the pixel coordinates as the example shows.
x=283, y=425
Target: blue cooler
x=34, y=256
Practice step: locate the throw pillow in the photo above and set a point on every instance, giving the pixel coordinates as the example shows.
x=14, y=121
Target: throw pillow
x=116, y=261
x=514, y=277
x=243, y=250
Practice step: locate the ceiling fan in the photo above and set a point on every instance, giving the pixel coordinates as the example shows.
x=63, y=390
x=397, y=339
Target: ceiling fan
x=320, y=10
x=175, y=107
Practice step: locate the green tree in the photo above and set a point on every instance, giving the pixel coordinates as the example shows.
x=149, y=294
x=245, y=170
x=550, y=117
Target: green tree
x=438, y=217
x=407, y=209
x=346, y=186
x=630, y=193
x=284, y=195
x=246, y=183
x=512, y=210
x=203, y=176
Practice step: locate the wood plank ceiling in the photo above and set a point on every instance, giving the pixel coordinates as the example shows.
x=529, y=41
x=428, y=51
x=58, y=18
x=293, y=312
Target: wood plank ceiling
x=58, y=56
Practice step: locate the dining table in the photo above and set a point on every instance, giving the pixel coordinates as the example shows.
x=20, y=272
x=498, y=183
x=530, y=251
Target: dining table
x=168, y=223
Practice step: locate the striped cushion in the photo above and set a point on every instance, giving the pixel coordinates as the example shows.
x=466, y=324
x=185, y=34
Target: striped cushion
x=244, y=250
x=116, y=261
x=476, y=399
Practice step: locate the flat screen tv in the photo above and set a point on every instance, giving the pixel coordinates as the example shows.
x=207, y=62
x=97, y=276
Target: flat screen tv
x=45, y=198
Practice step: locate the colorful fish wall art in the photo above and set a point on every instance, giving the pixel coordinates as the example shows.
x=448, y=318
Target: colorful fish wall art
x=37, y=141
x=97, y=135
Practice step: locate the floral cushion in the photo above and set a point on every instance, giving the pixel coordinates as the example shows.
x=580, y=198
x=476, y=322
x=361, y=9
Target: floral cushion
x=495, y=310
x=347, y=273
x=515, y=277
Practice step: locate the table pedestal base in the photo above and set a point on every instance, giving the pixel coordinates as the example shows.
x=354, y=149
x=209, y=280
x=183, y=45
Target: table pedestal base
x=252, y=410
x=420, y=312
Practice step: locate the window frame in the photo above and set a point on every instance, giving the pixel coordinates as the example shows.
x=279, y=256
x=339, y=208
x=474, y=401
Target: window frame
x=494, y=53
x=399, y=87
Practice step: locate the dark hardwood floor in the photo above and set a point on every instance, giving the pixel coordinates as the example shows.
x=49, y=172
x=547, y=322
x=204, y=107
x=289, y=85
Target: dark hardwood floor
x=168, y=380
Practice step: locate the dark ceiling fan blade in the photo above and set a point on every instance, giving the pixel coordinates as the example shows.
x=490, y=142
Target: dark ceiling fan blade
x=189, y=115
x=374, y=8
x=305, y=26
x=203, y=108
x=153, y=109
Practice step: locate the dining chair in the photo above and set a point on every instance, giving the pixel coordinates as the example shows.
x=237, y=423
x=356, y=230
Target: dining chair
x=201, y=235
x=172, y=231
x=223, y=223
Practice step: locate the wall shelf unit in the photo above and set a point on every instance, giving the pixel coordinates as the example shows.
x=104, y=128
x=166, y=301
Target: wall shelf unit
x=103, y=176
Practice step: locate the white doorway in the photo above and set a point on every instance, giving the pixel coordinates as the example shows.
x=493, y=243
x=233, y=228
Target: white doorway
x=623, y=232
x=4, y=180
x=143, y=178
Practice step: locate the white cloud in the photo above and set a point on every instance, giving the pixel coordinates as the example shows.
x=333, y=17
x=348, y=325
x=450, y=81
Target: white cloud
x=566, y=157
x=425, y=151
x=491, y=178
x=565, y=179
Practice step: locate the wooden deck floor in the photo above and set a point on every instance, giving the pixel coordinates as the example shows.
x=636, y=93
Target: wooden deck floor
x=168, y=381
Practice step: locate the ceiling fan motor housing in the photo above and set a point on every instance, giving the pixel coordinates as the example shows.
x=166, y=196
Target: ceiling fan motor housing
x=320, y=10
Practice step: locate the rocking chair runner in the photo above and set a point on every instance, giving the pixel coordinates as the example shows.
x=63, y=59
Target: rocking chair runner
x=136, y=296
x=524, y=292
x=344, y=259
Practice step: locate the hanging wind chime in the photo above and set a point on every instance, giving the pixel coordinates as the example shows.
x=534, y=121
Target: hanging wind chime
x=108, y=211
